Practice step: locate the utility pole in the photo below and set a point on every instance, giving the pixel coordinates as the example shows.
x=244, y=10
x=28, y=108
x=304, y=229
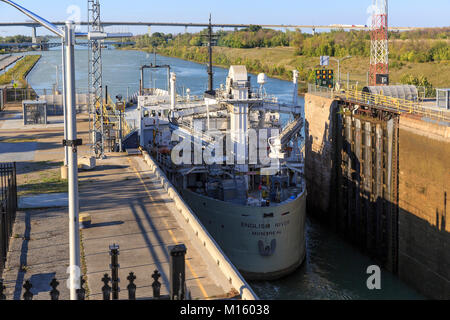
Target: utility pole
x=339, y=66
x=63, y=89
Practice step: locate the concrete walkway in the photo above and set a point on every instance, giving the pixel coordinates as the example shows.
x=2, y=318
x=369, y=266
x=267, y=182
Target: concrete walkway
x=140, y=219
x=38, y=251
x=45, y=200
x=7, y=61
x=128, y=207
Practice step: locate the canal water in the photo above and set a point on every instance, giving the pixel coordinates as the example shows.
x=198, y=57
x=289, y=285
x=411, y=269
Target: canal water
x=333, y=269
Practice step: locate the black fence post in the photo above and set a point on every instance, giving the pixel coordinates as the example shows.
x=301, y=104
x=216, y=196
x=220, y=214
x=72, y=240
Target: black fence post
x=156, y=285
x=106, y=289
x=131, y=286
x=54, y=293
x=2, y=287
x=114, y=252
x=28, y=295
x=8, y=206
x=177, y=272
x=3, y=234
x=81, y=293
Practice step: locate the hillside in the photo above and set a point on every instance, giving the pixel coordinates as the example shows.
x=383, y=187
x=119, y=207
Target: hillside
x=422, y=58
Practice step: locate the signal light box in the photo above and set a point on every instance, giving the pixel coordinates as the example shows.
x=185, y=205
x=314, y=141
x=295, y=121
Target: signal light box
x=325, y=78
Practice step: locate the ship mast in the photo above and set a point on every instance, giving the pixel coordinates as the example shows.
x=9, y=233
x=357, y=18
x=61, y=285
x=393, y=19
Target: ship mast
x=210, y=67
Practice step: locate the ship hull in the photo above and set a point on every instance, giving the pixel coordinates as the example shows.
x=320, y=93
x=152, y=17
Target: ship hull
x=264, y=243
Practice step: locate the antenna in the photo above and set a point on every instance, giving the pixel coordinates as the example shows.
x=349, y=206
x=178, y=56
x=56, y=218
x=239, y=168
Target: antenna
x=210, y=68
x=95, y=80
x=379, y=50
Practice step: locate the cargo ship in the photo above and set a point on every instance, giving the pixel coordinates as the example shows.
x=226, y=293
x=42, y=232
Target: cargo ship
x=236, y=164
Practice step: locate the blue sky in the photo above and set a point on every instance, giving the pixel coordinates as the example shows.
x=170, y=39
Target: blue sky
x=431, y=13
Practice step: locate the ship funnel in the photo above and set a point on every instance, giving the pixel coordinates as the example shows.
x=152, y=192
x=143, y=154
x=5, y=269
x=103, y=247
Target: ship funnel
x=262, y=78
x=173, y=92
x=295, y=81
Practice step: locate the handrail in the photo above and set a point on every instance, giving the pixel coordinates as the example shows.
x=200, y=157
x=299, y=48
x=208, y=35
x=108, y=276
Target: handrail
x=394, y=104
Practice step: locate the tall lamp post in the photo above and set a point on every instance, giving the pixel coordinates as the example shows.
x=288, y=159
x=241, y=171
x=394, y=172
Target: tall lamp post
x=68, y=37
x=70, y=141
x=339, y=66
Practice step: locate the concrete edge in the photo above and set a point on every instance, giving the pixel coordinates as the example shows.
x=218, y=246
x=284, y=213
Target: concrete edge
x=229, y=270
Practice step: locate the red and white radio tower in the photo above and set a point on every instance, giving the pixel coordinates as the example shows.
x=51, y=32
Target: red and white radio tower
x=379, y=50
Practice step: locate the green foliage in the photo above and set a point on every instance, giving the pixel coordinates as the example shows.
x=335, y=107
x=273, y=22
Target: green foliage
x=20, y=70
x=412, y=46
x=420, y=51
x=155, y=40
x=254, y=37
x=15, y=39
x=419, y=81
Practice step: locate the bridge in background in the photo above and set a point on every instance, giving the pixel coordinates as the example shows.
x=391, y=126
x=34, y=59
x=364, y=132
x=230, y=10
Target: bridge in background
x=47, y=45
x=224, y=25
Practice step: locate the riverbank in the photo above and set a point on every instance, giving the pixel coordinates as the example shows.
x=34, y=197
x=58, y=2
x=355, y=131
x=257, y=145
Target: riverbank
x=20, y=71
x=278, y=62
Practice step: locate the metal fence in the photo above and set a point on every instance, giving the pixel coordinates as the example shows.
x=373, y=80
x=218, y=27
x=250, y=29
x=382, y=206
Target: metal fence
x=381, y=101
x=111, y=289
x=8, y=207
x=394, y=104
x=320, y=91
x=16, y=94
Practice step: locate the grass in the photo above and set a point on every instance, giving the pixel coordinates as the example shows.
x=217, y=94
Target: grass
x=20, y=70
x=41, y=177
x=84, y=266
x=49, y=183
x=18, y=140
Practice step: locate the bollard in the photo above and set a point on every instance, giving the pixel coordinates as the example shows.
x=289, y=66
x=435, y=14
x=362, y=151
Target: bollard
x=54, y=293
x=177, y=271
x=114, y=253
x=131, y=287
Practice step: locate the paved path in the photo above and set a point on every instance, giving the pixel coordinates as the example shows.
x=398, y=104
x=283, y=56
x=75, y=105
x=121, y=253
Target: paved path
x=45, y=200
x=6, y=62
x=140, y=218
x=38, y=251
x=39, y=248
x=128, y=207
x=10, y=152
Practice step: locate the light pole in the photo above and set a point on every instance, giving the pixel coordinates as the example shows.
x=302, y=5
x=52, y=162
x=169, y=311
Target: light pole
x=339, y=66
x=72, y=142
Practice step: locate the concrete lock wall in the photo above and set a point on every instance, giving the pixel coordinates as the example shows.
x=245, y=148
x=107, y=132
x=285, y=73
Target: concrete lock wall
x=320, y=116
x=383, y=184
x=424, y=187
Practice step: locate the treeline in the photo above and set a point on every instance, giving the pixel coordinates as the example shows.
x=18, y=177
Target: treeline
x=357, y=43
x=412, y=46
x=200, y=54
x=15, y=39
